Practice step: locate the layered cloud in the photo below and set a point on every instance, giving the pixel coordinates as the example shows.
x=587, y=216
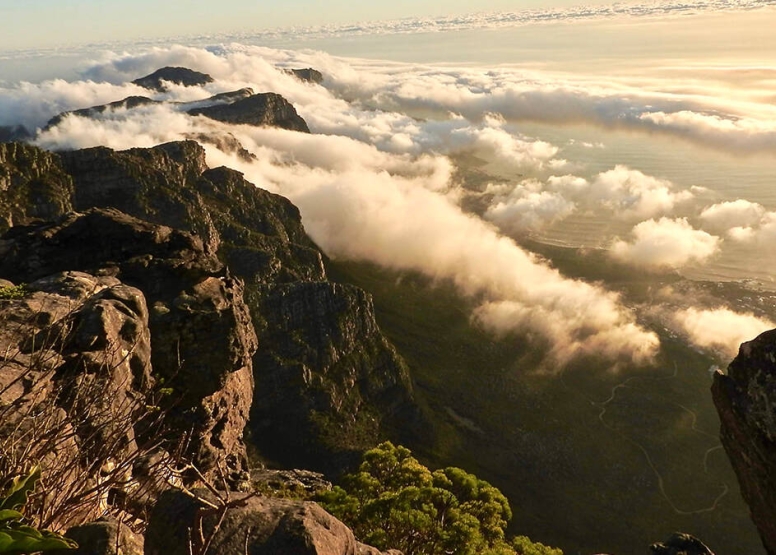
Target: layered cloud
x=665, y=243
x=378, y=178
x=720, y=329
x=382, y=190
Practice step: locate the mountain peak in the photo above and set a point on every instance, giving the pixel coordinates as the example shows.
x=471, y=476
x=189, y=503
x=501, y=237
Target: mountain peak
x=178, y=75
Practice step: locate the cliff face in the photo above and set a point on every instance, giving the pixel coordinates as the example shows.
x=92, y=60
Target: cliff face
x=200, y=331
x=746, y=402
x=328, y=383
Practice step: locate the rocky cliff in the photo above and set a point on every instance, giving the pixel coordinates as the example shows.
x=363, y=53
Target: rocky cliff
x=745, y=398
x=328, y=383
x=265, y=109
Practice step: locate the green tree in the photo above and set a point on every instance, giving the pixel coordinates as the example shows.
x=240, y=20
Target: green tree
x=394, y=502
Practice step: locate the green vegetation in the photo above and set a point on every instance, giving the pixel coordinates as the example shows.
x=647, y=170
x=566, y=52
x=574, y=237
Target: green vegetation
x=394, y=502
x=17, y=538
x=13, y=292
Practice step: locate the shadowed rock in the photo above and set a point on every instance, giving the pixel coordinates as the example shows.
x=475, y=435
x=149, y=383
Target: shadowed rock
x=104, y=537
x=307, y=74
x=33, y=186
x=200, y=327
x=680, y=544
x=127, y=104
x=745, y=399
x=265, y=109
x=255, y=525
x=11, y=133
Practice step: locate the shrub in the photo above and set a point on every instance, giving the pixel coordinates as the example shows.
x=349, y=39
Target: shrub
x=16, y=537
x=394, y=502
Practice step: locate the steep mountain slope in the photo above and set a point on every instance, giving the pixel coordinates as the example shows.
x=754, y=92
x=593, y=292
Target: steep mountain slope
x=360, y=390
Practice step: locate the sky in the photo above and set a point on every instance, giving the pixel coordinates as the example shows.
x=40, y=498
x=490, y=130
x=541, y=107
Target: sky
x=48, y=23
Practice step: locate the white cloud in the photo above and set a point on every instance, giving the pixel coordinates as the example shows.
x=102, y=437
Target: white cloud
x=665, y=243
x=720, y=329
x=631, y=194
x=737, y=213
x=525, y=210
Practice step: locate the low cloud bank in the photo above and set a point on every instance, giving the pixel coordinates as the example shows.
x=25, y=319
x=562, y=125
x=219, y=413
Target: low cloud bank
x=376, y=182
x=720, y=329
x=665, y=243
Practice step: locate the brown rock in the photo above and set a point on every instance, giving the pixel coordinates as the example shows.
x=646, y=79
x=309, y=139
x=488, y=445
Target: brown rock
x=256, y=525
x=201, y=330
x=264, y=109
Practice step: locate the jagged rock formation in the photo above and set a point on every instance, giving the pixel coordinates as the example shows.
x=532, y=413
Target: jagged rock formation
x=33, y=186
x=746, y=402
x=329, y=385
x=75, y=371
x=178, y=75
x=307, y=74
x=265, y=109
x=256, y=525
x=200, y=328
x=329, y=357
x=680, y=544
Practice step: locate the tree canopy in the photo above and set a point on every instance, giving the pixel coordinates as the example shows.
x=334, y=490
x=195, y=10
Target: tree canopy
x=394, y=502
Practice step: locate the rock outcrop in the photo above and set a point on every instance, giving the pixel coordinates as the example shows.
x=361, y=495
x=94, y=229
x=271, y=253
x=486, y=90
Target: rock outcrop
x=177, y=75
x=331, y=385
x=126, y=104
x=745, y=398
x=265, y=109
x=680, y=544
x=256, y=525
x=33, y=186
x=105, y=537
x=307, y=74
x=200, y=328
x=330, y=381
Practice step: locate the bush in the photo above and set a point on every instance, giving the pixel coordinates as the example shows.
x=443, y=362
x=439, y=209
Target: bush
x=12, y=292
x=394, y=502
x=16, y=537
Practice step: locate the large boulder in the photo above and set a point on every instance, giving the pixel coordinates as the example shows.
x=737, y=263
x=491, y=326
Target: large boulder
x=745, y=399
x=255, y=525
x=106, y=536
